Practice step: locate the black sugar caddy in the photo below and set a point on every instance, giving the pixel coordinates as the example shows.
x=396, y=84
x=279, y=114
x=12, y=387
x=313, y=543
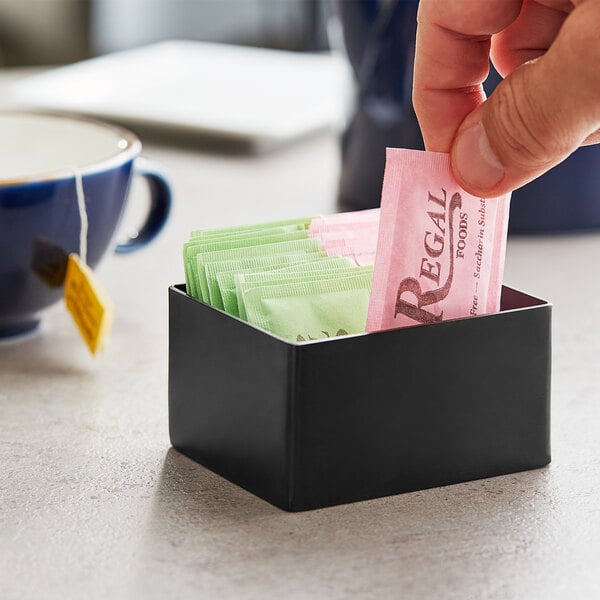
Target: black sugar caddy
x=308, y=425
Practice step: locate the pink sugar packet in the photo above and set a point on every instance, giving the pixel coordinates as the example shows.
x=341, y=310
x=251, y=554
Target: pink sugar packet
x=363, y=230
x=345, y=220
x=361, y=255
x=363, y=237
x=362, y=246
x=363, y=259
x=351, y=234
x=440, y=252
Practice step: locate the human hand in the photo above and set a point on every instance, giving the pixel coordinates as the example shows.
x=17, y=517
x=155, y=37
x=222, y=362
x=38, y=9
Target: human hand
x=547, y=106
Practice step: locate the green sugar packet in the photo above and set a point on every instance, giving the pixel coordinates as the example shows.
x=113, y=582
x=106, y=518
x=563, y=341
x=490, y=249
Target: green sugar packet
x=228, y=287
x=224, y=271
x=324, y=268
x=311, y=310
x=307, y=245
x=196, y=246
x=286, y=224
x=324, y=263
x=240, y=232
x=193, y=248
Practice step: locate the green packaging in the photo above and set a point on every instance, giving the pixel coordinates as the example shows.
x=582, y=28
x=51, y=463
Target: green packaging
x=323, y=264
x=225, y=242
x=285, y=225
x=224, y=271
x=311, y=310
x=199, y=284
x=324, y=268
x=228, y=286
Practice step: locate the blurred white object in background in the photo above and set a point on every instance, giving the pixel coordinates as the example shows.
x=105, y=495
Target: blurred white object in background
x=250, y=94
x=117, y=25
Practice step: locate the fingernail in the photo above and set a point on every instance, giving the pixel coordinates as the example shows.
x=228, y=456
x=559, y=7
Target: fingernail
x=475, y=160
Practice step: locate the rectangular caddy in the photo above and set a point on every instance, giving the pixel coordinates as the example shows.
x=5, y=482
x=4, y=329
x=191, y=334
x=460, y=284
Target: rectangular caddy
x=332, y=421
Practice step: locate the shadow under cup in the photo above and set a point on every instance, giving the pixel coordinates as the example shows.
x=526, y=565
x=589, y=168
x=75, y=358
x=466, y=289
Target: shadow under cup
x=40, y=223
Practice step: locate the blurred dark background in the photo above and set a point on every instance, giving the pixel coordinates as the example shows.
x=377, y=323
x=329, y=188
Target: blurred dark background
x=43, y=32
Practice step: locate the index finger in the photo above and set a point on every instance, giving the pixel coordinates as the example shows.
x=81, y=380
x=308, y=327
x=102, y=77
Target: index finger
x=452, y=62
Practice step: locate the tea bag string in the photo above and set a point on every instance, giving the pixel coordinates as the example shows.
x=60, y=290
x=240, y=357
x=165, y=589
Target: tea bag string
x=83, y=218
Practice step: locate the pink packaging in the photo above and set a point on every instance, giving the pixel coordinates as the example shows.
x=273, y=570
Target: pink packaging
x=440, y=252
x=364, y=230
x=362, y=259
x=368, y=243
x=362, y=255
x=351, y=247
x=359, y=239
x=346, y=220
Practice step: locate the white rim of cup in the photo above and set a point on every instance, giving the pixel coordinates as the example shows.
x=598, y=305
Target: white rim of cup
x=129, y=152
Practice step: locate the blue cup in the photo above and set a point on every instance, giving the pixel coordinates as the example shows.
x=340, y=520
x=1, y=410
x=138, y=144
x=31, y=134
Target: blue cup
x=41, y=156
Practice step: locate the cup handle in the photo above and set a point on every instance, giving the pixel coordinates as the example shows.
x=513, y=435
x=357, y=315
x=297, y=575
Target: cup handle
x=160, y=205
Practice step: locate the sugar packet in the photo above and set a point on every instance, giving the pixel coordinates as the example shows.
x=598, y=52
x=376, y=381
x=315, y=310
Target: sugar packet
x=311, y=310
x=265, y=249
x=197, y=246
x=284, y=225
x=220, y=274
x=440, y=251
x=343, y=221
x=350, y=234
x=323, y=268
x=226, y=280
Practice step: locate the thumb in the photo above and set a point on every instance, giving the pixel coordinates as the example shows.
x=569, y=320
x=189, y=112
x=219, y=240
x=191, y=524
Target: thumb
x=537, y=116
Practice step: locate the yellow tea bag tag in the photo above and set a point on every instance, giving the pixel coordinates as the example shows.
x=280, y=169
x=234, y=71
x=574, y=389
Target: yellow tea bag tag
x=88, y=304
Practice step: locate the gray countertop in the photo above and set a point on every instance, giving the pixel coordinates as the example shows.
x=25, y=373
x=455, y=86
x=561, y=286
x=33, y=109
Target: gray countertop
x=94, y=503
